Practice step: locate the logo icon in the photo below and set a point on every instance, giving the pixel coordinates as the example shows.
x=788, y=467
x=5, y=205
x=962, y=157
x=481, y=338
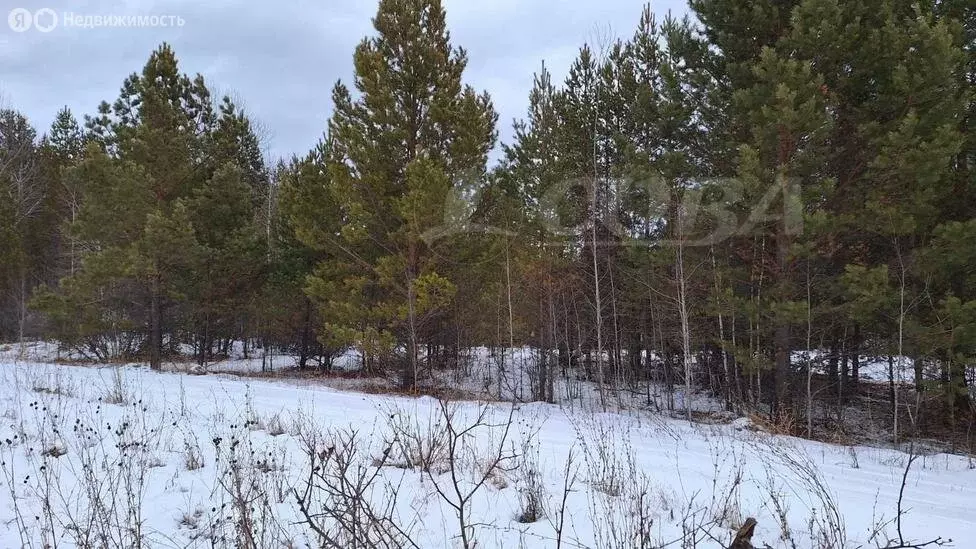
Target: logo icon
x=45, y=19
x=20, y=19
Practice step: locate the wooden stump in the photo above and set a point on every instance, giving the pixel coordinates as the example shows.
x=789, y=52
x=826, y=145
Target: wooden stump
x=743, y=538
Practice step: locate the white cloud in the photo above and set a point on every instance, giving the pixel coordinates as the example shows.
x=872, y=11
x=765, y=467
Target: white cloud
x=282, y=58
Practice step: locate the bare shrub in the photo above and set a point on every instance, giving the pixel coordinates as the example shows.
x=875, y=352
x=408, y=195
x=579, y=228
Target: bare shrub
x=778, y=503
x=417, y=442
x=728, y=470
x=275, y=426
x=94, y=498
x=464, y=456
x=11, y=475
x=191, y=520
x=111, y=465
x=558, y=509
x=117, y=391
x=625, y=520
x=192, y=455
x=882, y=537
x=607, y=454
x=343, y=499
x=622, y=501
x=53, y=383
x=826, y=523
x=249, y=517
x=530, y=484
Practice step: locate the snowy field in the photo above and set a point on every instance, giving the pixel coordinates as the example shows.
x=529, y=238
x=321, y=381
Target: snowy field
x=124, y=457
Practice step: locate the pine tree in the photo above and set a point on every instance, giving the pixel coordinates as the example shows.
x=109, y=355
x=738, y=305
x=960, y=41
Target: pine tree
x=526, y=201
x=234, y=140
x=862, y=76
x=231, y=224
x=231, y=257
x=92, y=309
x=145, y=160
x=779, y=123
x=892, y=75
x=24, y=194
x=61, y=150
x=394, y=153
x=290, y=316
x=789, y=118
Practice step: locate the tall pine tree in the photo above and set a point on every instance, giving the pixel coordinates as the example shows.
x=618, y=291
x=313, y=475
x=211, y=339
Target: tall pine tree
x=394, y=152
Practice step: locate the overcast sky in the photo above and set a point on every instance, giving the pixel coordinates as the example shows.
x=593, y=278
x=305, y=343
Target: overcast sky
x=280, y=59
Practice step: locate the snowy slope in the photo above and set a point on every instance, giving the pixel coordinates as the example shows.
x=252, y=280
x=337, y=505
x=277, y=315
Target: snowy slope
x=106, y=445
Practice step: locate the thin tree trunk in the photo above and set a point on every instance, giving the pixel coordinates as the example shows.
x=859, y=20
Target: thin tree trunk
x=683, y=312
x=596, y=270
x=599, y=311
x=754, y=342
x=22, y=311
x=736, y=374
x=545, y=372
x=809, y=358
x=410, y=377
x=618, y=372
x=901, y=342
x=721, y=335
x=155, y=325
x=511, y=319
x=306, y=335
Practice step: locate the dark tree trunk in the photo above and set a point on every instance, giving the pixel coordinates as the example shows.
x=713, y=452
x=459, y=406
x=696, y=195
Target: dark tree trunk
x=855, y=362
x=306, y=332
x=845, y=374
x=783, y=402
x=832, y=363
x=891, y=386
x=155, y=325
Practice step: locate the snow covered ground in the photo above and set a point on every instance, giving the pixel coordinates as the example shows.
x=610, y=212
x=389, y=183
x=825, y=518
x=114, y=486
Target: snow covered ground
x=114, y=454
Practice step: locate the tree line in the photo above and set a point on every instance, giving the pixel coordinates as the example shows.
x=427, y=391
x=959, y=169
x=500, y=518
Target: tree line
x=749, y=202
